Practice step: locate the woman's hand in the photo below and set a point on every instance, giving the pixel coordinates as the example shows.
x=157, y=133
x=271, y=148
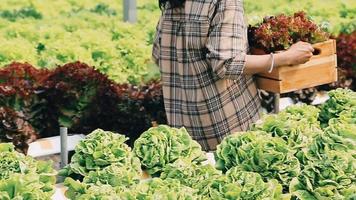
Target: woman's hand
x=298, y=53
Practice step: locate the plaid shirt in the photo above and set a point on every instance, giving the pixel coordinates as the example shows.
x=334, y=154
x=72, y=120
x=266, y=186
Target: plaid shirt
x=201, y=51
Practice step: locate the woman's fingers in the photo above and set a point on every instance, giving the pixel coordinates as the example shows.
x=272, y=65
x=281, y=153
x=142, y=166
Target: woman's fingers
x=309, y=47
x=300, y=52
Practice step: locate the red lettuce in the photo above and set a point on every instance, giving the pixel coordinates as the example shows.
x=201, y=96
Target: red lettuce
x=16, y=129
x=281, y=31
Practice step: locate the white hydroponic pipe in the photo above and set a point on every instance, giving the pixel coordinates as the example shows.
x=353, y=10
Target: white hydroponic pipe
x=130, y=11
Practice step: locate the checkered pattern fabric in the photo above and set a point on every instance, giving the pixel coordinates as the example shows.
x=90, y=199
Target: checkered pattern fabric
x=201, y=51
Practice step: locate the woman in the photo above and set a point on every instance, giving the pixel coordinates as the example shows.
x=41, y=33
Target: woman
x=201, y=48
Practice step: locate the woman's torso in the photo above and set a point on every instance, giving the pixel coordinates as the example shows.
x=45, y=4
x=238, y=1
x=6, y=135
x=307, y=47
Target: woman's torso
x=209, y=107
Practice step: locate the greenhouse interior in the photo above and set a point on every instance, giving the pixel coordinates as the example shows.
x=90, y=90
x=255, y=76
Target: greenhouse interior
x=177, y=100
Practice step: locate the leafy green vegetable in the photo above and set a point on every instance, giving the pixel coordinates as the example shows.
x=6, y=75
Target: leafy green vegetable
x=157, y=188
x=12, y=162
x=258, y=152
x=279, y=32
x=212, y=184
x=116, y=176
x=162, y=145
x=331, y=177
x=338, y=136
x=81, y=191
x=190, y=174
x=220, y=189
x=340, y=100
x=21, y=186
x=343, y=129
x=99, y=150
x=26, y=12
x=149, y=190
x=22, y=176
x=209, y=182
x=253, y=187
x=69, y=30
x=303, y=111
x=297, y=125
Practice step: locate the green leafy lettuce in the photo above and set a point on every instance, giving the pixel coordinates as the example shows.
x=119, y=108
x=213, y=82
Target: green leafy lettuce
x=81, y=191
x=330, y=177
x=340, y=100
x=162, y=145
x=258, y=152
x=116, y=176
x=210, y=183
x=297, y=125
x=340, y=136
x=252, y=186
x=149, y=190
x=21, y=175
x=342, y=130
x=190, y=174
x=99, y=150
x=25, y=187
x=157, y=188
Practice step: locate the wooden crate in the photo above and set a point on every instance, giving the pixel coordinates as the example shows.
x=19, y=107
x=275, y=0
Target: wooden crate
x=321, y=69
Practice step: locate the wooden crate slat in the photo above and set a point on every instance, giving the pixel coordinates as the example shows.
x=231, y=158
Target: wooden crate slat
x=282, y=73
x=321, y=76
x=269, y=85
x=313, y=67
x=324, y=75
x=328, y=50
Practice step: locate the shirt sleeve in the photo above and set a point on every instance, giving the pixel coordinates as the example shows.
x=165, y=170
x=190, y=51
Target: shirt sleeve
x=156, y=45
x=227, y=40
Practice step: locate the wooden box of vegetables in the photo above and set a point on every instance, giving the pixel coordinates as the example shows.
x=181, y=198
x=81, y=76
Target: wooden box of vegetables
x=277, y=34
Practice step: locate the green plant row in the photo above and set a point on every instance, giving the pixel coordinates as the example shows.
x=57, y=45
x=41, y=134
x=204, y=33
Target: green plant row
x=303, y=153
x=58, y=32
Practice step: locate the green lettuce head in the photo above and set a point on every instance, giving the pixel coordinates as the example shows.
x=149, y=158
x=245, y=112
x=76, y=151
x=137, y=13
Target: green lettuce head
x=162, y=145
x=15, y=163
x=25, y=186
x=253, y=187
x=204, y=178
x=340, y=100
x=342, y=130
x=97, y=151
x=297, y=125
x=339, y=136
x=258, y=152
x=331, y=177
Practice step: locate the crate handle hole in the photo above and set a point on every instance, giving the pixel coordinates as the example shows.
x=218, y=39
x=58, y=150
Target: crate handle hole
x=317, y=51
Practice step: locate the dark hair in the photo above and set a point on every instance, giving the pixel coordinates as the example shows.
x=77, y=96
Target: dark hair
x=172, y=3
